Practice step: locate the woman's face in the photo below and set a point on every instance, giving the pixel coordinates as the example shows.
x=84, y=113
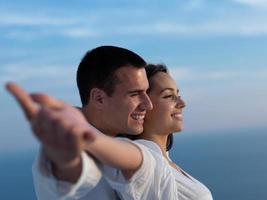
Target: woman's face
x=166, y=115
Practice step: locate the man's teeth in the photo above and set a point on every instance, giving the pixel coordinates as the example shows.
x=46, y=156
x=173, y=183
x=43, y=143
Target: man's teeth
x=138, y=117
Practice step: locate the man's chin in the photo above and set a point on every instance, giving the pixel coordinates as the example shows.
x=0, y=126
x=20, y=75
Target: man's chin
x=136, y=131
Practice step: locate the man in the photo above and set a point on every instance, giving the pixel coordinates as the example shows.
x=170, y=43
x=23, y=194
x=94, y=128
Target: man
x=112, y=84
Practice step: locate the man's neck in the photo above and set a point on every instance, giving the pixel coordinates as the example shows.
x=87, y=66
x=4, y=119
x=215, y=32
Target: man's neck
x=94, y=120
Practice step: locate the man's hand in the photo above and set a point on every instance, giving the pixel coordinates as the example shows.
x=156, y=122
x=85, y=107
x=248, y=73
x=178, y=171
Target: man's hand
x=61, y=129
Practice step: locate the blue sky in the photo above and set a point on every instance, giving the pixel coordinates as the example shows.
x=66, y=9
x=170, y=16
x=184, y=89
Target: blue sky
x=216, y=51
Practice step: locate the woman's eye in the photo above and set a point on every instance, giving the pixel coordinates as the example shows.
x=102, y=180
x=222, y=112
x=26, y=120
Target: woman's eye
x=171, y=96
x=168, y=96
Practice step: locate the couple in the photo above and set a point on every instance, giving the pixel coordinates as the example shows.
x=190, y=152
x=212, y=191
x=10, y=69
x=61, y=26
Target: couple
x=78, y=161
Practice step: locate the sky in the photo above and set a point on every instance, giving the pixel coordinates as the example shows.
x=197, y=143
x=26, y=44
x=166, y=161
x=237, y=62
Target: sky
x=215, y=50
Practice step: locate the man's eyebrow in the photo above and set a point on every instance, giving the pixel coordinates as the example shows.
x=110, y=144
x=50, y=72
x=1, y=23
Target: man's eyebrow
x=135, y=91
x=168, y=89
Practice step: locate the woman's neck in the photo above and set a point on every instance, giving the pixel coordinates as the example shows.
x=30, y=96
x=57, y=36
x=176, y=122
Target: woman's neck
x=159, y=139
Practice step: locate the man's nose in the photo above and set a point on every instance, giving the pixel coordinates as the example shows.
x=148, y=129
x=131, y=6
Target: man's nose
x=146, y=104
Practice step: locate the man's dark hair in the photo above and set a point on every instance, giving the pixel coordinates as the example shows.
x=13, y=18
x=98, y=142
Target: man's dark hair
x=98, y=66
x=152, y=70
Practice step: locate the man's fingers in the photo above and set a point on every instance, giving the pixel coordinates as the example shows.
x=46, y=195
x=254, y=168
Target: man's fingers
x=80, y=137
x=89, y=136
x=27, y=104
x=88, y=132
x=47, y=101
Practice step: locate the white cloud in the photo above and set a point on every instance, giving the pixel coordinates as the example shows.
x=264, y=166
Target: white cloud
x=255, y=3
x=235, y=26
x=50, y=74
x=42, y=25
x=80, y=32
x=188, y=74
x=30, y=71
x=164, y=29
x=34, y=20
x=95, y=24
x=193, y=5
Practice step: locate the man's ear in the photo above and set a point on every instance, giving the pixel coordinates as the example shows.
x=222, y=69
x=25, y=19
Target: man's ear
x=97, y=97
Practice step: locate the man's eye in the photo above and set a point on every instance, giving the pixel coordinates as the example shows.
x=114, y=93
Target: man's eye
x=133, y=94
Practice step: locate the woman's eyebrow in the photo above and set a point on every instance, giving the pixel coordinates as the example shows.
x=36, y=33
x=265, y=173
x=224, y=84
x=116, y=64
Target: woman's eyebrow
x=171, y=89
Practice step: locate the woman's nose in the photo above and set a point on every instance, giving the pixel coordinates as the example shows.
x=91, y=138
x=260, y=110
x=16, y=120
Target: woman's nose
x=180, y=102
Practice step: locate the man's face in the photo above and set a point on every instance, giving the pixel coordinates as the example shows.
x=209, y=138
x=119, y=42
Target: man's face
x=125, y=109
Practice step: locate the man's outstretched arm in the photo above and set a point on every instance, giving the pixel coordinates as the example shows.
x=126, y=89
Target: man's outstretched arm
x=62, y=143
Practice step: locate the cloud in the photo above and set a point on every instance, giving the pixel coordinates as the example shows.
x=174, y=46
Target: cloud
x=193, y=5
x=160, y=29
x=34, y=26
x=189, y=74
x=105, y=23
x=80, y=32
x=33, y=20
x=51, y=75
x=63, y=74
x=233, y=26
x=254, y=3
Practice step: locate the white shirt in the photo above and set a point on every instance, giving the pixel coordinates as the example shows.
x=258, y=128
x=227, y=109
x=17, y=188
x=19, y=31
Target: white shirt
x=91, y=185
x=156, y=179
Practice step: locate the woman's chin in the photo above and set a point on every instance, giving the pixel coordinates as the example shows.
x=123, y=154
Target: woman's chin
x=178, y=129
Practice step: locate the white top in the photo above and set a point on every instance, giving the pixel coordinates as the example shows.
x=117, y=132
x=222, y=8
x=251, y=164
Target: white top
x=155, y=179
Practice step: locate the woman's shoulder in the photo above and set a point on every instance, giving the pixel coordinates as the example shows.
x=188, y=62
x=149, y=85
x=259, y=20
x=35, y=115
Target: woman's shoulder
x=148, y=148
x=152, y=146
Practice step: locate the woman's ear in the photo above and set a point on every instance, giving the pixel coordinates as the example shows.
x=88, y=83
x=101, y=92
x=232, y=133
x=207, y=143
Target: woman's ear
x=97, y=97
